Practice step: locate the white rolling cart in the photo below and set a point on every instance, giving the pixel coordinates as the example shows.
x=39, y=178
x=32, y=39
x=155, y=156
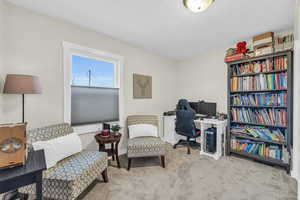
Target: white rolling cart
x=221, y=136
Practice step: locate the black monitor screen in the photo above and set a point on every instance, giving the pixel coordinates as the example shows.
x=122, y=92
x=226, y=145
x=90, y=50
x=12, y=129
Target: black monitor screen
x=209, y=109
x=195, y=106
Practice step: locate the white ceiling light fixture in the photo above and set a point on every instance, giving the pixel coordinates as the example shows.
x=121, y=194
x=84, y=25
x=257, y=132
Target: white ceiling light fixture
x=197, y=5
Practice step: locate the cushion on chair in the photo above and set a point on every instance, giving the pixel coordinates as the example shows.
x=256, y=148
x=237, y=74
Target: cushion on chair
x=145, y=147
x=71, y=176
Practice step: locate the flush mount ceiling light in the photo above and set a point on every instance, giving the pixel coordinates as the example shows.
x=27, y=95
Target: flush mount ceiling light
x=197, y=5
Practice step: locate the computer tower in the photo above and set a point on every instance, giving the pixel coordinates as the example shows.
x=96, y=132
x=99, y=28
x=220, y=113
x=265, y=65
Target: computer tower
x=211, y=140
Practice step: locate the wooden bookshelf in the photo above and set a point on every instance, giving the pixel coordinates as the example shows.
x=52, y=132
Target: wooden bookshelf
x=287, y=144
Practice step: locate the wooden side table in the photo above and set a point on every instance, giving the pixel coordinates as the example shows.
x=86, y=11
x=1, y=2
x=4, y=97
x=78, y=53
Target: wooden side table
x=31, y=172
x=112, y=139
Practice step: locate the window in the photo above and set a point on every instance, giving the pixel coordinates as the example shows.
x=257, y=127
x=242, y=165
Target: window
x=92, y=90
x=92, y=72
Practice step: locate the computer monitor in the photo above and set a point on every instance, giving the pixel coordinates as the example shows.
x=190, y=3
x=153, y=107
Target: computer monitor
x=195, y=106
x=208, y=109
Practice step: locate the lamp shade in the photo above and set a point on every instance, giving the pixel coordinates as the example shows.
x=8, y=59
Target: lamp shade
x=22, y=84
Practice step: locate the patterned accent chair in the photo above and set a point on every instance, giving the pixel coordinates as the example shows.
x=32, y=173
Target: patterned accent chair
x=71, y=176
x=145, y=146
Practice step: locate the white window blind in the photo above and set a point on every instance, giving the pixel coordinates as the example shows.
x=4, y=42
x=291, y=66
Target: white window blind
x=94, y=93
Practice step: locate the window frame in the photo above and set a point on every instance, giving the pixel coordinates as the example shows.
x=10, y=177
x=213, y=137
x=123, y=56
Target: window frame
x=70, y=49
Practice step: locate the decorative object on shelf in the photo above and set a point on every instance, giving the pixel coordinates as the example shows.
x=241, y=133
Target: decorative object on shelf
x=142, y=86
x=263, y=43
x=237, y=53
x=22, y=84
x=230, y=52
x=221, y=116
x=234, y=57
x=105, y=133
x=13, y=149
x=241, y=47
x=197, y=5
x=115, y=128
x=284, y=42
x=260, y=96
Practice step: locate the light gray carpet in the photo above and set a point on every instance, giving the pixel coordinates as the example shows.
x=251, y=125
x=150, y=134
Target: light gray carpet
x=195, y=177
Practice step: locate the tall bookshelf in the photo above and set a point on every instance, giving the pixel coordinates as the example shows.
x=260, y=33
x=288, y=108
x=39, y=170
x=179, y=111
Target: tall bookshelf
x=260, y=112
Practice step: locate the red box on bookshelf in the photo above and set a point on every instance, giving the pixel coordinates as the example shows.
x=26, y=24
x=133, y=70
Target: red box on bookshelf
x=234, y=57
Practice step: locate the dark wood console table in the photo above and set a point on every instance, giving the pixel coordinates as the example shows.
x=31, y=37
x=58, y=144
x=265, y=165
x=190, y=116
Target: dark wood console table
x=113, y=139
x=31, y=172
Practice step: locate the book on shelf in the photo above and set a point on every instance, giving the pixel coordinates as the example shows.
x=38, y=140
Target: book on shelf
x=260, y=99
x=275, y=117
x=258, y=148
x=267, y=65
x=276, y=81
x=259, y=132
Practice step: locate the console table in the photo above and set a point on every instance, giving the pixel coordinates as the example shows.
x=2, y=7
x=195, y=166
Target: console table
x=31, y=172
x=112, y=139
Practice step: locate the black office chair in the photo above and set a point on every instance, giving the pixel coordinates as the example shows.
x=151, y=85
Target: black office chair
x=185, y=125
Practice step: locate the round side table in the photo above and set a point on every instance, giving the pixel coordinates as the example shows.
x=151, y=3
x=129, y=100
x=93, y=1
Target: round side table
x=112, y=139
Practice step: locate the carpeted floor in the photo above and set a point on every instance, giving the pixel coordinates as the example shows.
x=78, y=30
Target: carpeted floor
x=194, y=177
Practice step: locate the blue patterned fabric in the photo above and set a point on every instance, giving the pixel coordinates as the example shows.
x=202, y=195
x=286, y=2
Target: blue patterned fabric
x=67, y=179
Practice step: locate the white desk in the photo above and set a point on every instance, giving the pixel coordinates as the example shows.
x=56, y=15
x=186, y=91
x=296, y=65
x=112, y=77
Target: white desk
x=169, y=135
x=221, y=136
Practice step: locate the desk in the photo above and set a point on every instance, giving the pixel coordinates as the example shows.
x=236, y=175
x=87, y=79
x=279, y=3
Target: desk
x=31, y=172
x=221, y=136
x=170, y=136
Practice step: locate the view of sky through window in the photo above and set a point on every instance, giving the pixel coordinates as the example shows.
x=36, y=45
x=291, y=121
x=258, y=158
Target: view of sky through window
x=92, y=72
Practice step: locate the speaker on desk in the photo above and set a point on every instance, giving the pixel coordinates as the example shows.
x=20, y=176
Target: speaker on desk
x=211, y=139
x=13, y=148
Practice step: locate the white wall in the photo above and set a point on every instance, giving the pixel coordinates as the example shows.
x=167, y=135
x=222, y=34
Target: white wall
x=296, y=148
x=204, y=77
x=1, y=54
x=35, y=47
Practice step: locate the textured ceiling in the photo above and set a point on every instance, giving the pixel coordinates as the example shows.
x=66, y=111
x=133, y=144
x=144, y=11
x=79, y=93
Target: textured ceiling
x=166, y=26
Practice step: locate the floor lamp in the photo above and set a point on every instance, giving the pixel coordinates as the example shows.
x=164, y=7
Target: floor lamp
x=22, y=84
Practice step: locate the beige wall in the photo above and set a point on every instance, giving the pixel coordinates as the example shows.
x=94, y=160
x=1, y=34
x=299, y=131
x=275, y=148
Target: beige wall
x=296, y=139
x=204, y=78
x=1, y=54
x=35, y=47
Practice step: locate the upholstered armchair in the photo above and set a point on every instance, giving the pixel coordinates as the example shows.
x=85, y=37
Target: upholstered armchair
x=145, y=146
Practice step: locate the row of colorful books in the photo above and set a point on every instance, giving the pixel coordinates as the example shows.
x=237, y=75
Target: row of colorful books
x=276, y=117
x=259, y=132
x=257, y=148
x=260, y=82
x=260, y=99
x=267, y=65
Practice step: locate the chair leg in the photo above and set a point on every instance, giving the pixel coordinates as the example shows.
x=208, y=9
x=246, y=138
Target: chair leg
x=104, y=175
x=178, y=143
x=162, y=159
x=129, y=164
x=188, y=146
